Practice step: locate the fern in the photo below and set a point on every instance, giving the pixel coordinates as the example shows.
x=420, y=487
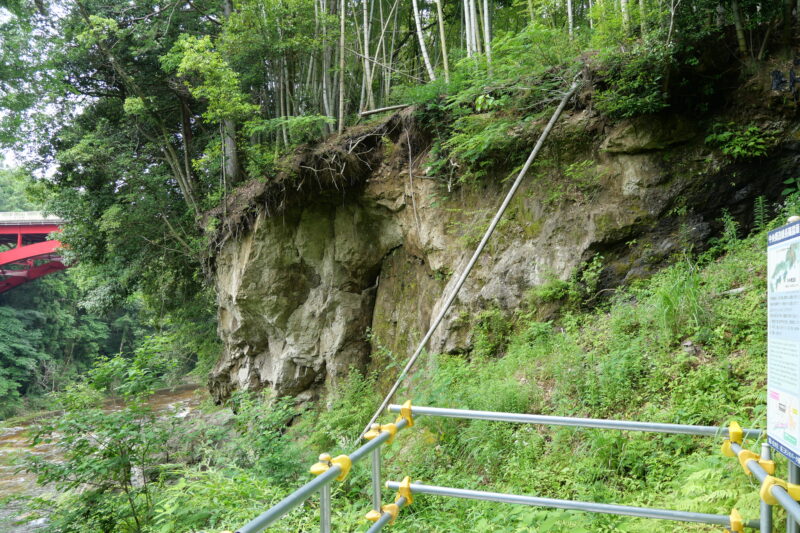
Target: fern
x=760, y=215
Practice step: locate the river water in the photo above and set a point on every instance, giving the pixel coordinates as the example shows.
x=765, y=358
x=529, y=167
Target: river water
x=16, y=488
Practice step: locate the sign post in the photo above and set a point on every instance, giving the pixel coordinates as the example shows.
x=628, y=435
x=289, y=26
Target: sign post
x=783, y=345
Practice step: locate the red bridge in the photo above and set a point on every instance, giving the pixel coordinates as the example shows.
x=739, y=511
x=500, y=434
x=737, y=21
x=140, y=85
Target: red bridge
x=27, y=253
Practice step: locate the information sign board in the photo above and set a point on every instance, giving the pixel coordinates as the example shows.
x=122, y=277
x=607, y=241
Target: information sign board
x=783, y=340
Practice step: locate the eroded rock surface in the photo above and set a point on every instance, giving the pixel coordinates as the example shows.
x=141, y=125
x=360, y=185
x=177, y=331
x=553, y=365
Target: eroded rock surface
x=310, y=290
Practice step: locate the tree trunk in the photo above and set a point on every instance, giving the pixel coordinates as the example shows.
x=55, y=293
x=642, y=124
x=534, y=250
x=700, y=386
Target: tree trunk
x=476, y=36
x=390, y=57
x=327, y=101
x=368, y=66
x=341, y=65
x=626, y=16
x=468, y=27
x=423, y=49
x=232, y=168
x=787, y=22
x=737, y=20
x=487, y=33
x=440, y=18
x=570, y=21
x=642, y=18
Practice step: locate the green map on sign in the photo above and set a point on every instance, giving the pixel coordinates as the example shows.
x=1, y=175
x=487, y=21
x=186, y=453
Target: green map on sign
x=780, y=271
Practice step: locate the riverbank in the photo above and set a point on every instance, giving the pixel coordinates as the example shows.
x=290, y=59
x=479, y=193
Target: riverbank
x=19, y=489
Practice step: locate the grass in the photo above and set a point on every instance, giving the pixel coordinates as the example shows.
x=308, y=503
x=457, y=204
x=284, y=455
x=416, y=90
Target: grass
x=675, y=348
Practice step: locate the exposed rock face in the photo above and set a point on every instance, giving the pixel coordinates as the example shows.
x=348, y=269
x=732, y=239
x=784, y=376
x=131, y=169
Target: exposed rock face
x=299, y=288
x=296, y=295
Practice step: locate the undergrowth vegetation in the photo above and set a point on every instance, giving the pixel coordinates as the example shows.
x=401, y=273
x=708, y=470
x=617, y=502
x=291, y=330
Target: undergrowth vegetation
x=686, y=346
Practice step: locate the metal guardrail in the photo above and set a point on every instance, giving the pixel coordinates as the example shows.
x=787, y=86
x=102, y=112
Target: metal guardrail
x=322, y=484
x=769, y=484
x=773, y=491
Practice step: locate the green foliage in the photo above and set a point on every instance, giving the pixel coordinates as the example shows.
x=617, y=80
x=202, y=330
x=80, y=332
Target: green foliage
x=479, y=143
x=218, y=83
x=237, y=494
x=676, y=300
x=740, y=142
x=792, y=186
x=261, y=445
x=301, y=129
x=343, y=421
x=491, y=331
x=112, y=457
x=20, y=355
x=136, y=376
x=760, y=214
x=15, y=191
x=634, y=80
x=577, y=291
x=48, y=337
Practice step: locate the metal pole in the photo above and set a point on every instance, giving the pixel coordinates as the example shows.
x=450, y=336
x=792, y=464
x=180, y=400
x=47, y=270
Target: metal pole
x=294, y=499
x=792, y=526
x=385, y=517
x=592, y=507
x=780, y=494
x=625, y=425
x=325, y=509
x=376, y=479
x=766, y=509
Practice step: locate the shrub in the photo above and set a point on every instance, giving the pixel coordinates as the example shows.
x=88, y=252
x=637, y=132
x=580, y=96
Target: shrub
x=635, y=81
x=740, y=142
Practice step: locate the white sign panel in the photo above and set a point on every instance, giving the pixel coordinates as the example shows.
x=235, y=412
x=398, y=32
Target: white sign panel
x=783, y=341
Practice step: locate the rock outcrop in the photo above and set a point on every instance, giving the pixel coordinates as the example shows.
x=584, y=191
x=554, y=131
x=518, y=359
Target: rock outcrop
x=357, y=252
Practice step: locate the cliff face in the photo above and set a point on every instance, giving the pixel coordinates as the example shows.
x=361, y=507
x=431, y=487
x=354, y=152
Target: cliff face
x=356, y=253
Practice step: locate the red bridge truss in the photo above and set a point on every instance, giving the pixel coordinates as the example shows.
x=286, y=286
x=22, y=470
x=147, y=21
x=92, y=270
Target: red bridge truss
x=25, y=251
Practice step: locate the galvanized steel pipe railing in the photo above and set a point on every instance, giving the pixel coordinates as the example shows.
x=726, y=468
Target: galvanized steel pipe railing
x=296, y=498
x=792, y=526
x=779, y=493
x=592, y=507
x=765, y=508
x=624, y=425
x=386, y=517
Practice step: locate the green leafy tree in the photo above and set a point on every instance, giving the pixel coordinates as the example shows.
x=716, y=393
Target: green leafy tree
x=109, y=460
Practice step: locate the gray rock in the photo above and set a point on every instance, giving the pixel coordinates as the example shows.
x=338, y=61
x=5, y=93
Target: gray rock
x=298, y=290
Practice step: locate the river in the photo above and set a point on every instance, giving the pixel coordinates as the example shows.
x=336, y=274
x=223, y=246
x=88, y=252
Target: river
x=16, y=488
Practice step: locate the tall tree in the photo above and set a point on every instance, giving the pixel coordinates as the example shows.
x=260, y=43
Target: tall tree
x=443, y=40
x=422, y=46
x=232, y=170
x=626, y=16
x=737, y=20
x=570, y=22
x=341, y=64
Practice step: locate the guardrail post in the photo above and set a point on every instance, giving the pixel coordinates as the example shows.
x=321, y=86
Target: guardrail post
x=794, y=477
x=376, y=479
x=325, y=509
x=766, y=509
